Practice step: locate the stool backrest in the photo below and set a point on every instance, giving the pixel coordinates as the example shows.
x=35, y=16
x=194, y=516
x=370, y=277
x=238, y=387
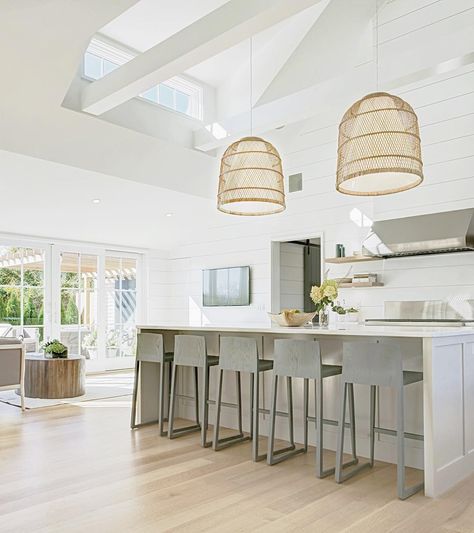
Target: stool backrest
x=190, y=350
x=370, y=363
x=297, y=358
x=150, y=347
x=238, y=353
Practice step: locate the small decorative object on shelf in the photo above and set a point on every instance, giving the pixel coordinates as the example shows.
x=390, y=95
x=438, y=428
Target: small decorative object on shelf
x=291, y=318
x=340, y=250
x=55, y=349
x=323, y=298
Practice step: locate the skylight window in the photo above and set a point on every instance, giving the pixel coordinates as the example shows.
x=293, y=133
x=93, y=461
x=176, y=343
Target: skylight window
x=179, y=94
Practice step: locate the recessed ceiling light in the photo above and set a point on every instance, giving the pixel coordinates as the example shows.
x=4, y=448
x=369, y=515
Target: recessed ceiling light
x=96, y=200
x=280, y=127
x=168, y=214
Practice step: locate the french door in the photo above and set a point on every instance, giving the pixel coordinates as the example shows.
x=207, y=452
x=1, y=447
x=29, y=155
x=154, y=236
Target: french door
x=95, y=305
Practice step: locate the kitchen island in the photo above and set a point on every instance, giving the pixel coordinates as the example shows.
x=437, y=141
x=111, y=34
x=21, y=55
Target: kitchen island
x=443, y=410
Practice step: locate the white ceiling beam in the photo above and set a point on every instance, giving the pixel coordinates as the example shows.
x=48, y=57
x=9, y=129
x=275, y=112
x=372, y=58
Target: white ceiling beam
x=221, y=29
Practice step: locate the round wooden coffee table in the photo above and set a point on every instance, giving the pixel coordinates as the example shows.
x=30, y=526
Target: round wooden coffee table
x=54, y=378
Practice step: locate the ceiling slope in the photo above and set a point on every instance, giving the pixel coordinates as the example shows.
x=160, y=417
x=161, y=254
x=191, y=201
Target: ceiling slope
x=41, y=64
x=223, y=28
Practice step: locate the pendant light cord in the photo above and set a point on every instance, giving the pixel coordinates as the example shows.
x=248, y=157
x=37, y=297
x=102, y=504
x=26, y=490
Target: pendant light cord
x=376, y=22
x=251, y=87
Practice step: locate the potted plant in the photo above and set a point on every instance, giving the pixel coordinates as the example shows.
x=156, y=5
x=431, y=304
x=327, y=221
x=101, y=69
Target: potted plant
x=90, y=343
x=55, y=349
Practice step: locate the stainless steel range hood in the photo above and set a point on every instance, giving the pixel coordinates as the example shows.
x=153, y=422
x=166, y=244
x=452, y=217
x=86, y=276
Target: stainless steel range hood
x=451, y=231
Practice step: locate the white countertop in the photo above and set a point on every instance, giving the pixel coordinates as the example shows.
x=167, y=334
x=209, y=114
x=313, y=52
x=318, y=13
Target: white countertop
x=340, y=330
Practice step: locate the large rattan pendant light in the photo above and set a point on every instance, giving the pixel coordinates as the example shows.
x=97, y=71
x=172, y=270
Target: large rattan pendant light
x=379, y=148
x=251, y=177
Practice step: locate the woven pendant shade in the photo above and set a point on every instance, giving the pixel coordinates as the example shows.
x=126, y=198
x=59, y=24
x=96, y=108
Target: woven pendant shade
x=379, y=148
x=251, y=179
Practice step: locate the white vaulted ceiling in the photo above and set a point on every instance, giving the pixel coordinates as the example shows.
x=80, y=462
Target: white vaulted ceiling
x=311, y=60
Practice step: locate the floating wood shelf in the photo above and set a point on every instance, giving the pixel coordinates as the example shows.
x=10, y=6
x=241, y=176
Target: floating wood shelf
x=359, y=285
x=352, y=259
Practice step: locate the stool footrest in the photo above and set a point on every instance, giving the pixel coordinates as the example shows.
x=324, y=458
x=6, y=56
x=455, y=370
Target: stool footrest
x=229, y=441
x=347, y=475
x=187, y=429
x=285, y=453
x=393, y=433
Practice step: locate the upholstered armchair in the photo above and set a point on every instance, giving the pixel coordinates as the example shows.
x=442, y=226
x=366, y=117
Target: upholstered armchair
x=12, y=366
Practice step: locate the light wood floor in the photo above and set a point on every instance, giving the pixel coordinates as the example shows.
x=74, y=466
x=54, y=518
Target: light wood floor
x=80, y=469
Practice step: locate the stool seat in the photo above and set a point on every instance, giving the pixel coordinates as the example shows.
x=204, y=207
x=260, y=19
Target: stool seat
x=240, y=354
x=265, y=364
x=330, y=370
x=409, y=376
x=376, y=364
x=150, y=349
x=191, y=351
x=301, y=359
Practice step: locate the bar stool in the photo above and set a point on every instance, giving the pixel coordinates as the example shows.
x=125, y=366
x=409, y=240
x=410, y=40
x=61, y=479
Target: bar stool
x=150, y=349
x=377, y=364
x=190, y=351
x=302, y=359
x=240, y=354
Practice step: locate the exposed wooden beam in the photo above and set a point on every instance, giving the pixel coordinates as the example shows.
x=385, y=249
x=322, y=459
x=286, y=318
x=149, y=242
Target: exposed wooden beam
x=221, y=29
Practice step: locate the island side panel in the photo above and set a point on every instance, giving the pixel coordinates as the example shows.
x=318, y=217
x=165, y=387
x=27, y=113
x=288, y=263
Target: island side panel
x=448, y=412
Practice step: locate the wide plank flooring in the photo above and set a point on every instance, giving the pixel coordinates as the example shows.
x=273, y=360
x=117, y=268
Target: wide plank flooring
x=79, y=468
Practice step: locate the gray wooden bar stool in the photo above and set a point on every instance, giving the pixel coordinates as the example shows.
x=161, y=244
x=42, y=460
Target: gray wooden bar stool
x=302, y=359
x=240, y=354
x=377, y=364
x=191, y=351
x=150, y=349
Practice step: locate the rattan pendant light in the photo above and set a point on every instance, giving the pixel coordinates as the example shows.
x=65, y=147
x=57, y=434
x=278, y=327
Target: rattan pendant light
x=379, y=149
x=251, y=177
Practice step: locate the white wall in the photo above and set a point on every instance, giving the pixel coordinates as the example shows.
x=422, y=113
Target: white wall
x=444, y=104
x=445, y=107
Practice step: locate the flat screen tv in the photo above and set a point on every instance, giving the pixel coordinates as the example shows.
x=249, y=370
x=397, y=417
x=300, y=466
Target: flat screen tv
x=226, y=286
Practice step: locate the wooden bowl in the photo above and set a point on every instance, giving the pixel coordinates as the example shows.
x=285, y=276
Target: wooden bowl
x=291, y=320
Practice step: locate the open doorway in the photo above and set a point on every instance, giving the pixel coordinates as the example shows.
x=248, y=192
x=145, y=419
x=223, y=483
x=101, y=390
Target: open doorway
x=296, y=267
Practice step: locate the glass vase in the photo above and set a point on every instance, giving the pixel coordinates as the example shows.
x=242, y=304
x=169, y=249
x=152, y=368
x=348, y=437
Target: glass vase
x=324, y=317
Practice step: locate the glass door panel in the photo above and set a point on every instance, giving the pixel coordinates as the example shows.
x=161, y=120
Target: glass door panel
x=22, y=294
x=121, y=306
x=78, y=327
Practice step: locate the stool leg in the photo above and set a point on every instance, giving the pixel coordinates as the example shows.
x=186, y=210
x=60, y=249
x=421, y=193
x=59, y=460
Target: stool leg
x=289, y=391
x=205, y=407
x=218, y=410
x=340, y=434
x=400, y=444
x=318, y=395
x=251, y=406
x=196, y=393
x=172, y=400
x=161, y=407
x=305, y=412
x=256, y=391
x=271, y=435
x=373, y=390
x=239, y=401
x=352, y=419
x=133, y=418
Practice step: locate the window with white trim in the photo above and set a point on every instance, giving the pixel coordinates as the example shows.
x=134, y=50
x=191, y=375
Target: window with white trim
x=177, y=93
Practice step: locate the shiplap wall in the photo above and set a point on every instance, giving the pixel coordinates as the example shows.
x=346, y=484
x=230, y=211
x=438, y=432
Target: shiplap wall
x=445, y=107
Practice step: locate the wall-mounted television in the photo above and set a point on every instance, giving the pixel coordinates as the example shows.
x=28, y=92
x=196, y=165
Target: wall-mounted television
x=226, y=286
